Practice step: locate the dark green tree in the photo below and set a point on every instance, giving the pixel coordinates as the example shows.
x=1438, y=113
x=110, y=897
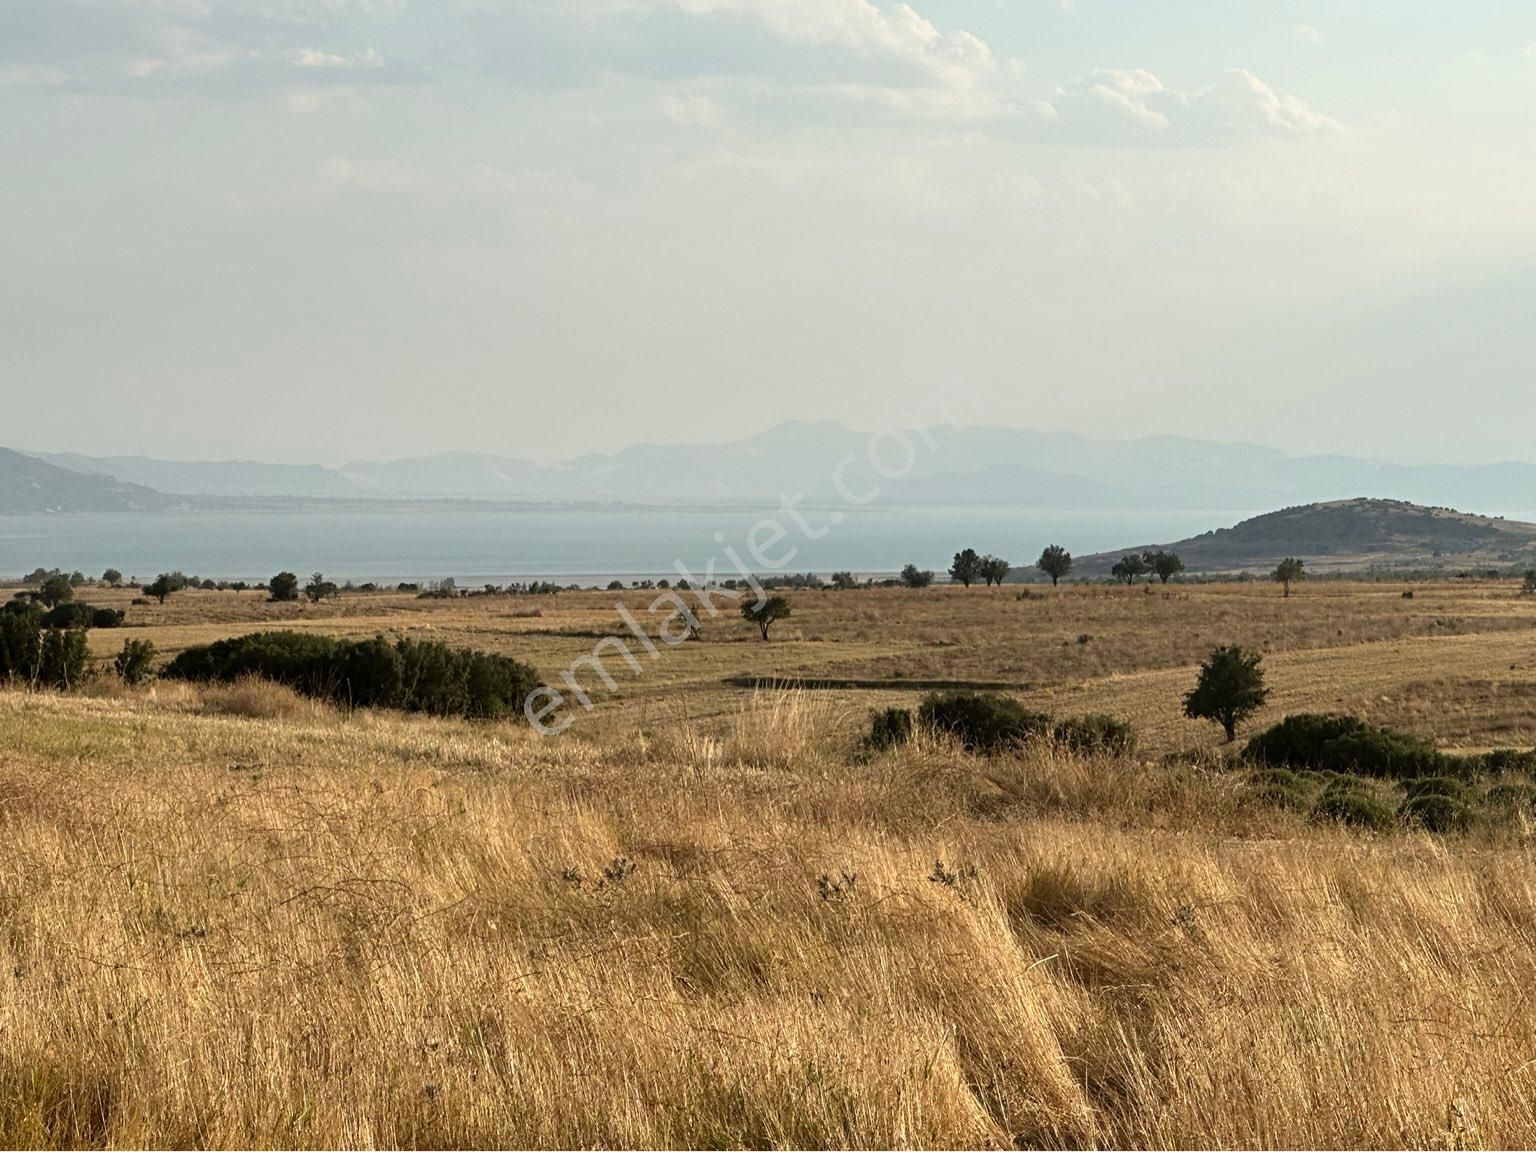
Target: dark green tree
x=112, y=578
x=1055, y=562
x=165, y=585
x=994, y=570
x=1229, y=690
x=1164, y=565
x=1129, y=568
x=1289, y=570
x=766, y=613
x=283, y=587
x=56, y=590
x=966, y=568
x=914, y=577
x=319, y=588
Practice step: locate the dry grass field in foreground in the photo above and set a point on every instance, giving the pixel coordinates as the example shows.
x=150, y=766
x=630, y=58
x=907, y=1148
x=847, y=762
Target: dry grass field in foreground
x=230, y=916
x=237, y=918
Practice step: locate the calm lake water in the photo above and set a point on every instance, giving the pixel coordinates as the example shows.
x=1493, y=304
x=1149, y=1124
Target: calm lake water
x=572, y=545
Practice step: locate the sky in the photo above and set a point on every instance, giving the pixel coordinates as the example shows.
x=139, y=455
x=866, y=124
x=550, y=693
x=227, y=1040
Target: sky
x=326, y=230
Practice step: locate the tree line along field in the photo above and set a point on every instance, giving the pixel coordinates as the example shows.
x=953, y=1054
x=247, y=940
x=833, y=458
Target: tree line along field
x=709, y=915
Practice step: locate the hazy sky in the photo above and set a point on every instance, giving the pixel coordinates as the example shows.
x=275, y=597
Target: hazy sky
x=327, y=229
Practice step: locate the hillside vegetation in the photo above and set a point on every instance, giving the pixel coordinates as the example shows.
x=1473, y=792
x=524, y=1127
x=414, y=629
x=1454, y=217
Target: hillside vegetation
x=1351, y=534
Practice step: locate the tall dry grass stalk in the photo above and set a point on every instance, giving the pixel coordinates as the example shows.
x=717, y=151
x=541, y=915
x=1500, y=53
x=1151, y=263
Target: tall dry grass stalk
x=228, y=931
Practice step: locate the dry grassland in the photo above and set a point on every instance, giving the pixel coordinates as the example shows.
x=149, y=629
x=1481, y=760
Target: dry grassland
x=233, y=917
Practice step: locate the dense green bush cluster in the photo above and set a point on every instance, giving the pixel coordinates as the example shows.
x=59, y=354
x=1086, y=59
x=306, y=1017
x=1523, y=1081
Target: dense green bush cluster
x=1345, y=744
x=39, y=655
x=412, y=675
x=990, y=722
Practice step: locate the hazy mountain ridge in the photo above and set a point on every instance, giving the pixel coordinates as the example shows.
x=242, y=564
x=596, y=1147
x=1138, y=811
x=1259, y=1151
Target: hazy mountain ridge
x=29, y=485
x=953, y=466
x=1349, y=534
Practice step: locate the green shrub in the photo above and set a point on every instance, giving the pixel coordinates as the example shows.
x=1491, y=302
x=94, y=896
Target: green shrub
x=135, y=662
x=1283, y=787
x=65, y=659
x=1510, y=796
x=21, y=642
x=1447, y=786
x=413, y=675
x=1505, y=760
x=77, y=614
x=1437, y=813
x=889, y=729
x=982, y=721
x=1345, y=744
x=1096, y=733
x=1355, y=808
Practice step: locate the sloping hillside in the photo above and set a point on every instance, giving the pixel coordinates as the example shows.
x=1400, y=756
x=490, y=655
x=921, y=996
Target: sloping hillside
x=1349, y=534
x=31, y=485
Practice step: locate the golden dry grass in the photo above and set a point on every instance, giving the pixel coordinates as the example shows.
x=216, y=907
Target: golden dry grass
x=234, y=917
x=369, y=930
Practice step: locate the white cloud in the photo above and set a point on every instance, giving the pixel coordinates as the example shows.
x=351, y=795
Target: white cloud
x=1308, y=34
x=1135, y=105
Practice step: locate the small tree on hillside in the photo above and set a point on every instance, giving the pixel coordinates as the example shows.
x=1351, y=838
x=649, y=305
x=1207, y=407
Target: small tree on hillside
x=1529, y=587
x=994, y=570
x=914, y=577
x=164, y=585
x=1129, y=568
x=1289, y=570
x=112, y=578
x=765, y=614
x=966, y=568
x=56, y=590
x=319, y=588
x=1055, y=562
x=283, y=588
x=1230, y=689
x=844, y=581
x=1164, y=565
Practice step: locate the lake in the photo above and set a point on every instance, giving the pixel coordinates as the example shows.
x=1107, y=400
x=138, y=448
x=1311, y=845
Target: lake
x=587, y=545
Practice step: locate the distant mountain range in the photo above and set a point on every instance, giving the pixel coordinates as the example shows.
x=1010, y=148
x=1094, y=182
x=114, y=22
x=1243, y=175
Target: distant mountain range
x=1349, y=534
x=28, y=484
x=977, y=466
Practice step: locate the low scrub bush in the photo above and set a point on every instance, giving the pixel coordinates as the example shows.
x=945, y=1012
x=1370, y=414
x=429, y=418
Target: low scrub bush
x=889, y=729
x=989, y=722
x=412, y=675
x=135, y=662
x=983, y=721
x=1345, y=744
x=1355, y=807
x=1437, y=812
x=1096, y=734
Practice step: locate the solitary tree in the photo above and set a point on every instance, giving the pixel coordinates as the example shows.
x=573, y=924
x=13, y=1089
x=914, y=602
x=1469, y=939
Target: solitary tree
x=1290, y=569
x=164, y=585
x=56, y=590
x=1164, y=565
x=966, y=567
x=283, y=587
x=112, y=578
x=319, y=588
x=1055, y=562
x=766, y=613
x=1129, y=568
x=1529, y=587
x=995, y=570
x=844, y=581
x=914, y=577
x=1230, y=689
